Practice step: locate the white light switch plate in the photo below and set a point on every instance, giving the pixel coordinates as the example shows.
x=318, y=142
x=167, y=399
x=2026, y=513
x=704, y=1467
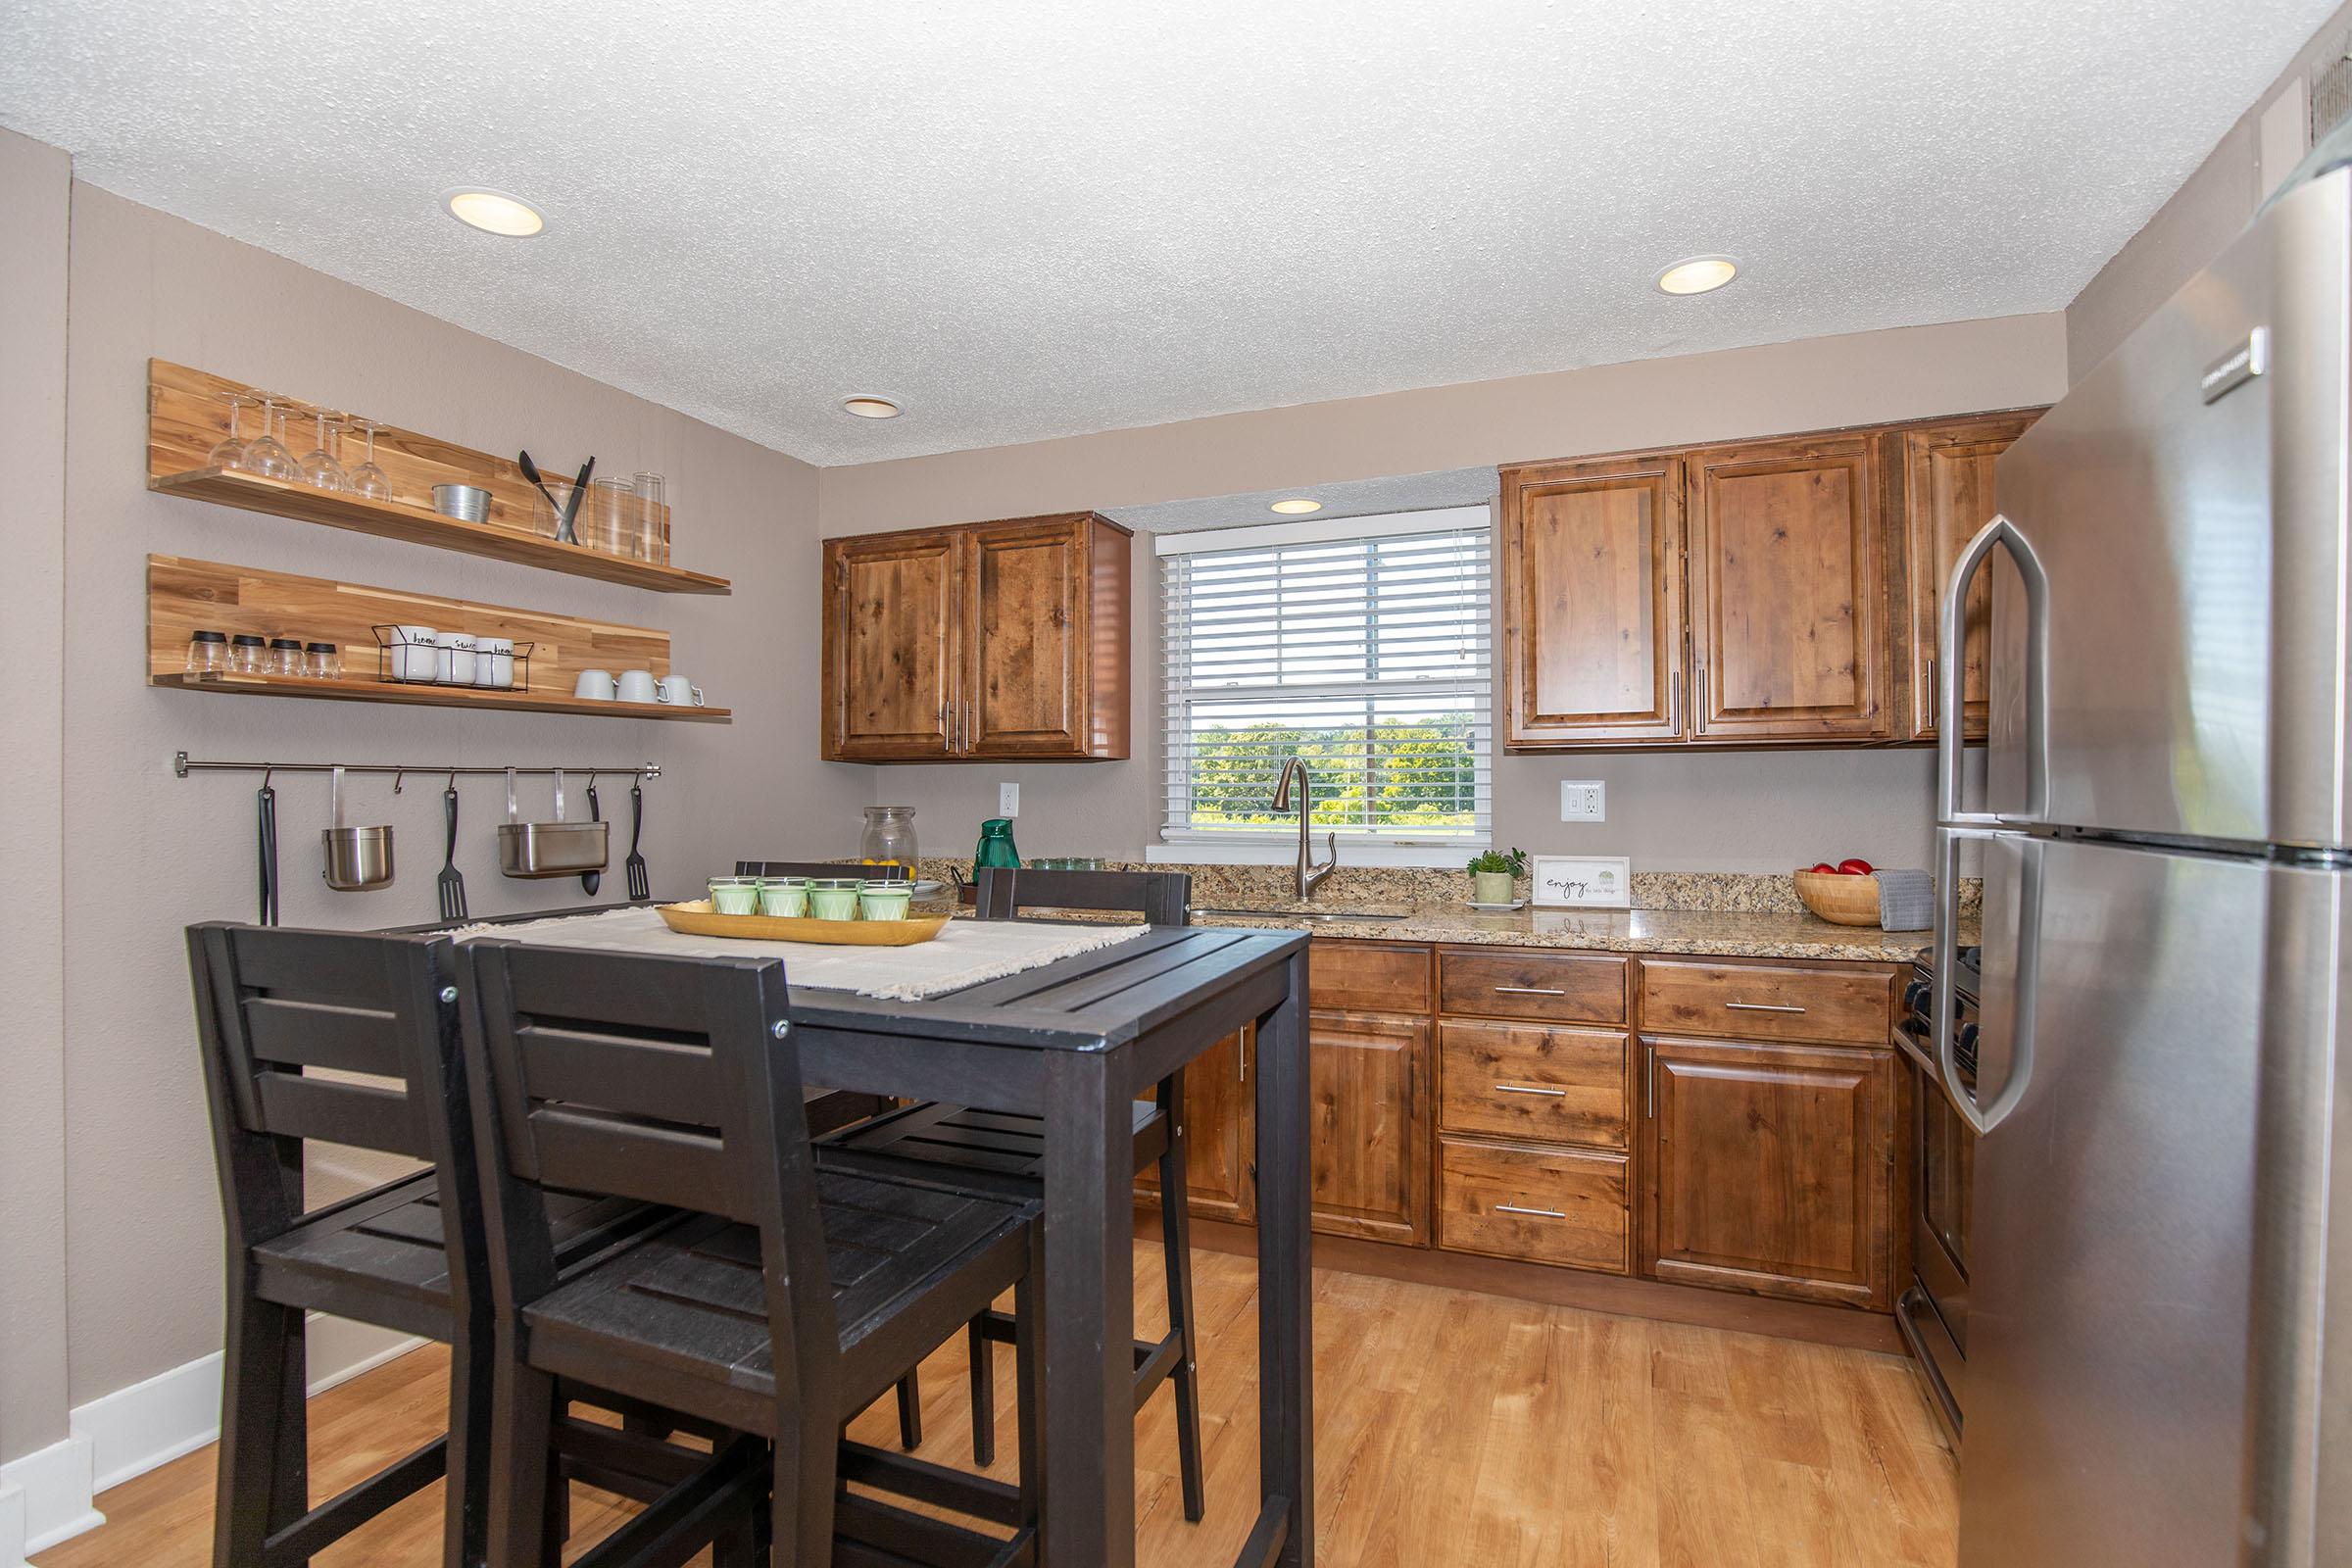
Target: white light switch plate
x=1584, y=801
x=1008, y=800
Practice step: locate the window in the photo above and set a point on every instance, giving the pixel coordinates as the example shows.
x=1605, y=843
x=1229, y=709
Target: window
x=1361, y=645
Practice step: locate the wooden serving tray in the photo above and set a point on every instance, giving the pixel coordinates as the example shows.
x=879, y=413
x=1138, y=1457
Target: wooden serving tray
x=699, y=920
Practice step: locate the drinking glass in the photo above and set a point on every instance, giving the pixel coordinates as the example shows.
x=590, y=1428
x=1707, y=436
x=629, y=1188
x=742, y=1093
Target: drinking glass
x=319, y=464
x=267, y=454
x=654, y=522
x=367, y=479
x=612, y=512
x=229, y=452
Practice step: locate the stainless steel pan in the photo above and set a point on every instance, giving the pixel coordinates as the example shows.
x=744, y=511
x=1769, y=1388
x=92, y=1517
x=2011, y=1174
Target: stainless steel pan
x=550, y=848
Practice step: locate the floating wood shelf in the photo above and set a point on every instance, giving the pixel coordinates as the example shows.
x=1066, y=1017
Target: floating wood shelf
x=183, y=596
x=421, y=695
x=187, y=415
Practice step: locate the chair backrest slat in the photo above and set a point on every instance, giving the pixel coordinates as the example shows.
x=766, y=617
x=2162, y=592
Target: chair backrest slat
x=322, y=1034
x=1161, y=898
x=654, y=1163
x=360, y=1115
x=872, y=873
x=668, y=1081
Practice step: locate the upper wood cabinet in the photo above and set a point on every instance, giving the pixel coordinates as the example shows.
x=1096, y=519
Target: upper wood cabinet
x=1592, y=600
x=992, y=640
x=1788, y=637
x=1946, y=477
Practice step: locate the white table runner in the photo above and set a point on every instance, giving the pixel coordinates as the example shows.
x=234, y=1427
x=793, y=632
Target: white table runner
x=963, y=953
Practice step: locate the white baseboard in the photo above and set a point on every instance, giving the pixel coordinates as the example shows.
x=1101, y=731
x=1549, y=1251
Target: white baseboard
x=130, y=1431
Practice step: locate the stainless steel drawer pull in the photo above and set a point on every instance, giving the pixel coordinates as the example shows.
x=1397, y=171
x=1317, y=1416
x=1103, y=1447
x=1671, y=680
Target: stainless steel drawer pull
x=1529, y=1089
x=1529, y=991
x=1539, y=1213
x=1761, y=1006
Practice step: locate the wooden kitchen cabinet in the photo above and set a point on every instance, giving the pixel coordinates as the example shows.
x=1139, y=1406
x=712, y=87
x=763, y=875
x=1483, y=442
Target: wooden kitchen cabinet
x=1220, y=1133
x=1771, y=1168
x=1592, y=600
x=1788, y=632
x=995, y=640
x=1368, y=1081
x=1945, y=473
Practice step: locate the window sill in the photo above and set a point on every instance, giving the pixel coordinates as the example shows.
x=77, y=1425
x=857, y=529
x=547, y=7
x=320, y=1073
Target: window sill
x=1194, y=851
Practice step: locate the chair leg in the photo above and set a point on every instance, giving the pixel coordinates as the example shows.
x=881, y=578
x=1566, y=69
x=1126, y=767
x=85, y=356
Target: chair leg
x=910, y=1410
x=1028, y=1300
x=263, y=1479
x=983, y=1357
x=1176, y=1232
x=802, y=1504
x=466, y=1536
x=521, y=1421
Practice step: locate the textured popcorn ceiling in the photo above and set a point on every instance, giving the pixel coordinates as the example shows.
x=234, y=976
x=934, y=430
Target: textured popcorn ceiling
x=1026, y=219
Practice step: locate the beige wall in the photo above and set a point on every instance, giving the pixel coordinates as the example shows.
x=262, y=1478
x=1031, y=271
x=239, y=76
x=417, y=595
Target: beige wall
x=145, y=854
x=1678, y=810
x=34, y=193
x=2192, y=227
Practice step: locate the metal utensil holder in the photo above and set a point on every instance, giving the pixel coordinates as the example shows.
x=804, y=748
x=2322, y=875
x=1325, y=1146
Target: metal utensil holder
x=390, y=643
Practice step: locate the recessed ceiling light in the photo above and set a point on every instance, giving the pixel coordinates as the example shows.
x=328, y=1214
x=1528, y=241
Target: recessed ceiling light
x=871, y=407
x=1698, y=274
x=493, y=211
x=1295, y=505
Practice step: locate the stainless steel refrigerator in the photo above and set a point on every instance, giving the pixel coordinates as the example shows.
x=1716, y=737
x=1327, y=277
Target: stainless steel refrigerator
x=2155, y=1376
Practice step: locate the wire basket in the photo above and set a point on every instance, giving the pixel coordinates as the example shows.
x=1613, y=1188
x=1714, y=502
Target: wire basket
x=408, y=656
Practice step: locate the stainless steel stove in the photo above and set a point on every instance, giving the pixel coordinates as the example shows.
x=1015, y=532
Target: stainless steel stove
x=1932, y=1311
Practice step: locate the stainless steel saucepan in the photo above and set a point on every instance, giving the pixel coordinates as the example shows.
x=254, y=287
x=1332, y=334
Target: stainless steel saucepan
x=550, y=848
x=358, y=859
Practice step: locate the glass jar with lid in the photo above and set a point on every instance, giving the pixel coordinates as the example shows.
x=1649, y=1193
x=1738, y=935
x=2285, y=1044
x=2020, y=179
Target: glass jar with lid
x=207, y=654
x=323, y=662
x=889, y=837
x=285, y=656
x=248, y=655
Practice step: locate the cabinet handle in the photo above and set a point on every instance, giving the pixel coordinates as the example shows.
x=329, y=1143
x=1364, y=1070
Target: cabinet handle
x=1529, y=991
x=1539, y=1213
x=1933, y=693
x=1649, y=1095
x=1760, y=1007
x=1698, y=699
x=1529, y=1089
x=1674, y=703
x=1241, y=1061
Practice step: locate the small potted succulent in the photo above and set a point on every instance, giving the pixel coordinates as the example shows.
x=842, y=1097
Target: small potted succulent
x=1493, y=873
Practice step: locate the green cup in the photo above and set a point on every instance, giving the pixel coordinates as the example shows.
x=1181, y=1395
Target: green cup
x=785, y=897
x=834, y=898
x=885, y=900
x=735, y=895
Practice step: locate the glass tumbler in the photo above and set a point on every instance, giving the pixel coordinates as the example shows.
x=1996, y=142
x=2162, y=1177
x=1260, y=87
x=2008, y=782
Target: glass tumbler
x=650, y=489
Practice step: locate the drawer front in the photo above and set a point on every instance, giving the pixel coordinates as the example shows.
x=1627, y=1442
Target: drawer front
x=1754, y=1002
x=1562, y=1207
x=1520, y=983
x=1358, y=977
x=1525, y=1082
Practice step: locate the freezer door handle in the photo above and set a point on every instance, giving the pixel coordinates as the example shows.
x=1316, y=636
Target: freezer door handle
x=1951, y=674
x=1984, y=1117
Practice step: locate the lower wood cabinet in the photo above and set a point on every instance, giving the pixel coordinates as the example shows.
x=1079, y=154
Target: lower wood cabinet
x=1368, y=1083
x=1771, y=1168
x=1534, y=1201
x=1220, y=1134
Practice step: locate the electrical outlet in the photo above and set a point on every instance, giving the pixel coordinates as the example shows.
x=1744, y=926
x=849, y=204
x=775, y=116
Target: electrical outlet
x=1008, y=800
x=1584, y=801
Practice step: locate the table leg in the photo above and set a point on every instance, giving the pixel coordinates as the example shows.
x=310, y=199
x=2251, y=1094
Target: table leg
x=1089, y=1309
x=1286, y=1409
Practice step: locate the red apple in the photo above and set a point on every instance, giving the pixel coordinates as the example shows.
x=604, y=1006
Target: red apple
x=1821, y=865
x=1855, y=868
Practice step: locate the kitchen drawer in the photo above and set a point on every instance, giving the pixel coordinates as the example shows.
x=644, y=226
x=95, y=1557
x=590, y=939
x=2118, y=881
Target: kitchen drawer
x=1360, y=977
x=1761, y=1002
x=1528, y=983
x=1528, y=1082
x=1546, y=1205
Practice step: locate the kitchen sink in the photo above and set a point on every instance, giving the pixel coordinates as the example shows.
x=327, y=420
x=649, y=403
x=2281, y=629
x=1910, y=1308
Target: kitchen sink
x=1293, y=913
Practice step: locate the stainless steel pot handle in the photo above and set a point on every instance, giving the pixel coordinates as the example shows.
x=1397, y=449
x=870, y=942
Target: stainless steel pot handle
x=1951, y=673
x=1983, y=1118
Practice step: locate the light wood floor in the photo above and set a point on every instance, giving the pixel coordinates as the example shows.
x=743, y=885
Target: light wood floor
x=1451, y=1428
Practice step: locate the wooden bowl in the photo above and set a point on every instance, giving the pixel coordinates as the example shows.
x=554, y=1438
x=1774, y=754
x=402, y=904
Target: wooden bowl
x=1840, y=899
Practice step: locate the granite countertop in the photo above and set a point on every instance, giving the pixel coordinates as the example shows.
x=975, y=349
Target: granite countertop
x=1713, y=933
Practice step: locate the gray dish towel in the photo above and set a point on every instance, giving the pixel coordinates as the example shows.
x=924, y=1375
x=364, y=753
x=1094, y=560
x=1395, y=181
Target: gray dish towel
x=1906, y=901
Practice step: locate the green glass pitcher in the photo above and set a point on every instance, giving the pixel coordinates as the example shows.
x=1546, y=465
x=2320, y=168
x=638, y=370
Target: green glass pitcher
x=995, y=845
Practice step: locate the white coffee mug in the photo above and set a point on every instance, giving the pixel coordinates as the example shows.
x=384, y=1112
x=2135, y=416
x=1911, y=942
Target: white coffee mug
x=415, y=654
x=637, y=686
x=680, y=692
x=596, y=684
x=457, y=659
x=494, y=663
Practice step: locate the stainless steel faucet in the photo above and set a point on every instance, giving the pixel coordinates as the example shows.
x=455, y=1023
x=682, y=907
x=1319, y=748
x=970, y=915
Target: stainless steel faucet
x=1311, y=875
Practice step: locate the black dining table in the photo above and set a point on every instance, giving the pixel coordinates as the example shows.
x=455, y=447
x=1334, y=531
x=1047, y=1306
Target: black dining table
x=1075, y=1042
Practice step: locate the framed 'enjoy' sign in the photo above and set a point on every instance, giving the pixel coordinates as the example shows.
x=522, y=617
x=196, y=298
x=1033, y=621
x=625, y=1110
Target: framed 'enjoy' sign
x=1584, y=881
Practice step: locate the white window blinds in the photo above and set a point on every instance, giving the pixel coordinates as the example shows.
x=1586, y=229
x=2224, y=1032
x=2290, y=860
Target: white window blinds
x=1362, y=645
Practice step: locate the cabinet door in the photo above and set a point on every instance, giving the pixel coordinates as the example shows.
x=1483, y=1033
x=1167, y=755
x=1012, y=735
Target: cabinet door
x=1593, y=602
x=1789, y=631
x=1368, y=1077
x=891, y=656
x=1220, y=1134
x=1027, y=587
x=1771, y=1169
x=1947, y=497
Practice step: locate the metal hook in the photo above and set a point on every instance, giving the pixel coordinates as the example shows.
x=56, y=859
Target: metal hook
x=398, y=774
x=267, y=774
x=453, y=779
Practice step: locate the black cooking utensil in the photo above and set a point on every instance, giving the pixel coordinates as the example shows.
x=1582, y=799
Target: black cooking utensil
x=266, y=846
x=590, y=880
x=450, y=884
x=640, y=886
x=530, y=472
x=571, y=508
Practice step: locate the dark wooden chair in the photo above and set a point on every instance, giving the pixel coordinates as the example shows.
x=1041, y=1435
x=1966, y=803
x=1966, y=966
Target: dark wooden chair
x=1010, y=1152
x=777, y=1303
x=270, y=1004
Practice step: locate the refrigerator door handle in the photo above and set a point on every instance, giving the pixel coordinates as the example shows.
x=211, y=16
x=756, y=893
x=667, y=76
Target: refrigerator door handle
x=1984, y=1117
x=1951, y=674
